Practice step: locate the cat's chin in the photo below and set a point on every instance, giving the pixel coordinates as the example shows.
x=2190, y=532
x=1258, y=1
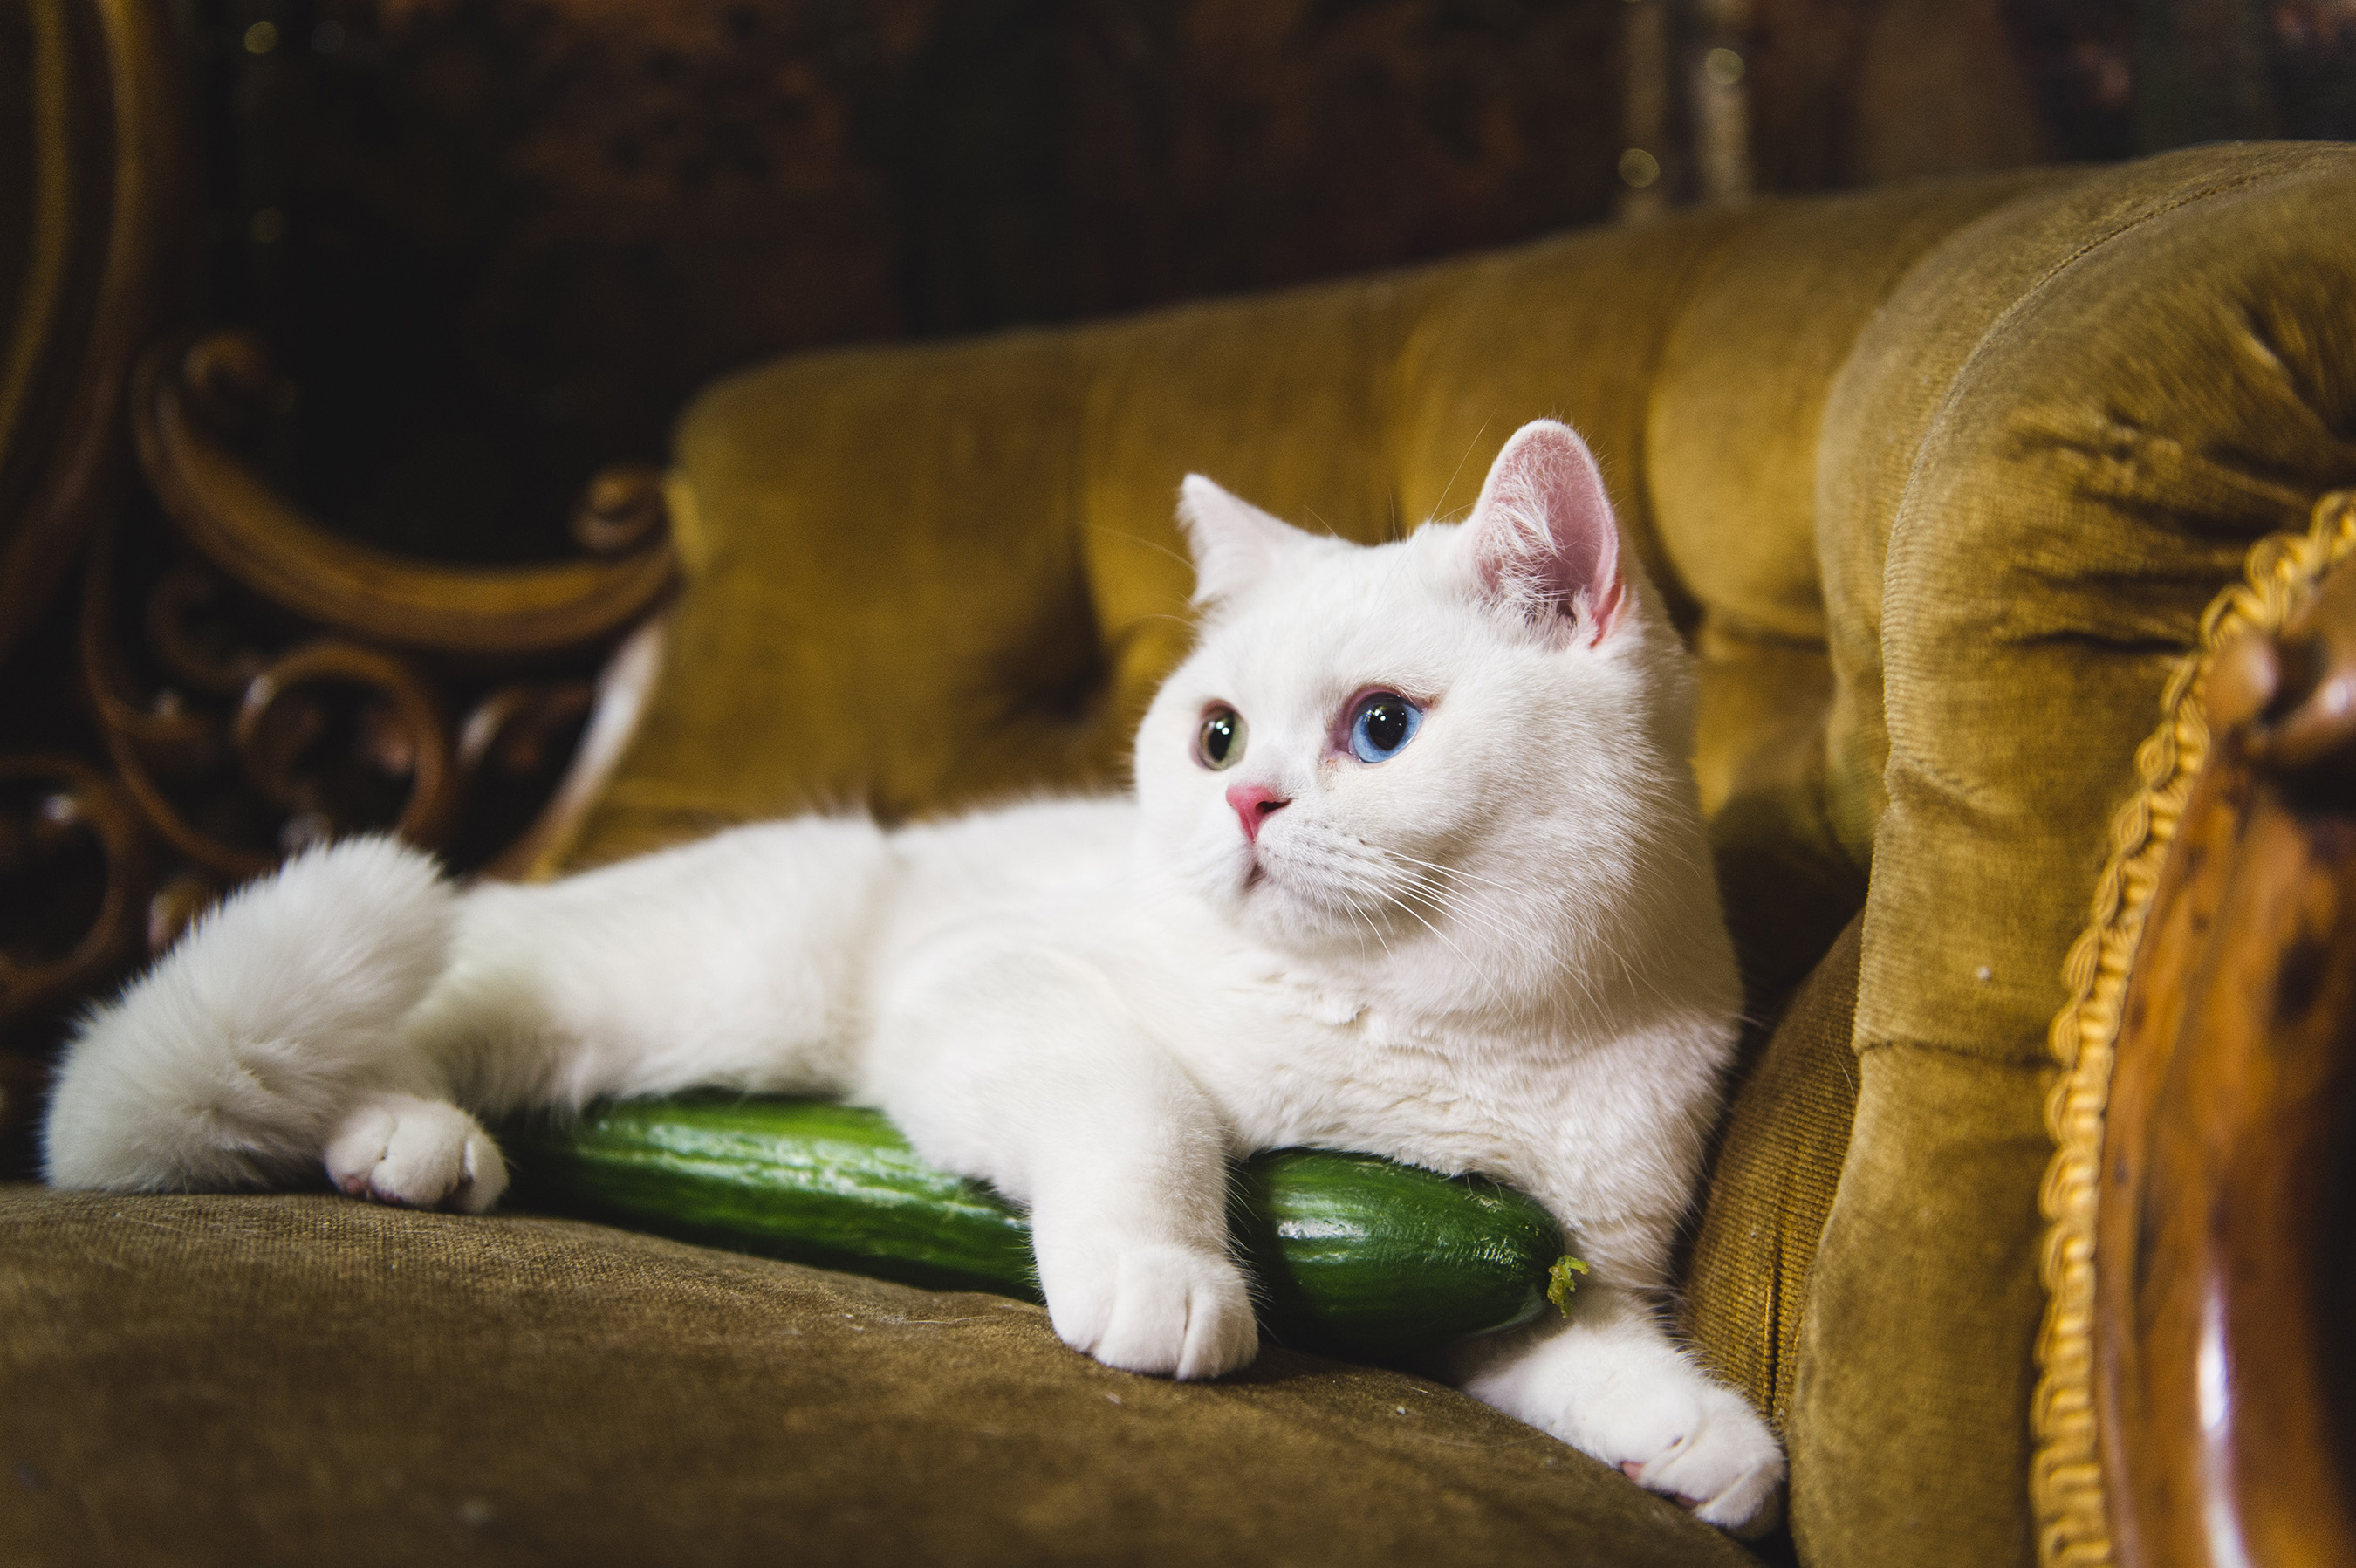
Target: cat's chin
x=1263, y=905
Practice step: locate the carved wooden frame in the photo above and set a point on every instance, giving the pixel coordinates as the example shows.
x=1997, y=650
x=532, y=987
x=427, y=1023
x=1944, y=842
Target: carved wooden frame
x=442, y=676
x=107, y=184
x=231, y=681
x=2192, y=1375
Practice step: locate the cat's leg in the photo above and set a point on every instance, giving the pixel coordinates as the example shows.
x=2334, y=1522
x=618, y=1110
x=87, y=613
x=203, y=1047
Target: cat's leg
x=1025, y=1069
x=735, y=962
x=346, y=1008
x=233, y=1060
x=731, y=962
x=1608, y=1381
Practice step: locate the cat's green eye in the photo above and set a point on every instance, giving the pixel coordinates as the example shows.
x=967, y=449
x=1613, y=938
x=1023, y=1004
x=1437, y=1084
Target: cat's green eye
x=1219, y=744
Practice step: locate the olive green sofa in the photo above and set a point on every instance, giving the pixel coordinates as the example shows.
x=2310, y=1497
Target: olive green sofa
x=1938, y=480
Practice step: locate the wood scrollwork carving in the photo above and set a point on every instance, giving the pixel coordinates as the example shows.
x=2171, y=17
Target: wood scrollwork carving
x=236, y=754
x=260, y=685
x=73, y=863
x=234, y=682
x=193, y=395
x=397, y=733
x=241, y=738
x=104, y=150
x=2223, y=1372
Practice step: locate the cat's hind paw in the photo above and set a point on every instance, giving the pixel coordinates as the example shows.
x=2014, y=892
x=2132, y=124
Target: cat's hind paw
x=1711, y=1452
x=420, y=1154
x=1167, y=1310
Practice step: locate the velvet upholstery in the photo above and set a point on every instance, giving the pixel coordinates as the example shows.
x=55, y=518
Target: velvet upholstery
x=299, y=1378
x=2047, y=451
x=1937, y=479
x=1772, y=1174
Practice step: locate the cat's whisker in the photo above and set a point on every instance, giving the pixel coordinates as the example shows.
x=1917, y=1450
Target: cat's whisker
x=1524, y=946
x=1473, y=969
x=1458, y=472
x=1472, y=912
x=1457, y=871
x=1518, y=944
x=1457, y=906
x=1371, y=924
x=1128, y=537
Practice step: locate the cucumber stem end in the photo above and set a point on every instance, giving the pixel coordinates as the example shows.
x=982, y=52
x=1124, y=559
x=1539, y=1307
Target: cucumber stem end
x=1562, y=1279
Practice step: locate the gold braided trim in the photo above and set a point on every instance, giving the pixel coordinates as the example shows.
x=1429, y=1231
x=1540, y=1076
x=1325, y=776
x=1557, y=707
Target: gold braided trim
x=2065, y=1478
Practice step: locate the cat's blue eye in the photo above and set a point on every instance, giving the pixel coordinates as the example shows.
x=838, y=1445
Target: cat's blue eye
x=1380, y=724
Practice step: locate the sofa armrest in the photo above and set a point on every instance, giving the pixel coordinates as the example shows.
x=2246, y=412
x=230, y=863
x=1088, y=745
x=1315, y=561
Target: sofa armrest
x=2196, y=1380
x=2221, y=1278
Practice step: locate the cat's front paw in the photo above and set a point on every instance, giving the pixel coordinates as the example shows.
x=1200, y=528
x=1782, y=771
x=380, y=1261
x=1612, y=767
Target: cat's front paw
x=1169, y=1310
x=1700, y=1443
x=420, y=1154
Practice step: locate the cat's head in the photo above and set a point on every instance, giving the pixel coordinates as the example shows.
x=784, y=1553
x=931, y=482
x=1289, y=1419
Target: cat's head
x=1471, y=741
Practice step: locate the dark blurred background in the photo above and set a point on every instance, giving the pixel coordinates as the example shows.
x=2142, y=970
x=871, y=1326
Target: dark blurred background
x=500, y=242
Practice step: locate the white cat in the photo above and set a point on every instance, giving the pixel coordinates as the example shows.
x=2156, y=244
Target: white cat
x=1414, y=867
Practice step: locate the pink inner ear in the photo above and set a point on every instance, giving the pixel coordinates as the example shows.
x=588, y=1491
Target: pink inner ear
x=1543, y=530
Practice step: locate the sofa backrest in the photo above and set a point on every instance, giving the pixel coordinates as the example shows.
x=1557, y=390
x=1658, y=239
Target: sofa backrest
x=1938, y=480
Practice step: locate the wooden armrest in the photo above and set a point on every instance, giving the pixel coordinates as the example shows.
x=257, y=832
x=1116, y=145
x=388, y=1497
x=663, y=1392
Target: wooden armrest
x=2223, y=1342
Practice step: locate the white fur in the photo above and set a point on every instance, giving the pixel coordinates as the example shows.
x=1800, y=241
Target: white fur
x=232, y=1061
x=1499, y=951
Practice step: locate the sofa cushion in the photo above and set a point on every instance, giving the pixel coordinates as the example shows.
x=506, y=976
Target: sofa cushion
x=867, y=534
x=302, y=1378
x=1772, y=1174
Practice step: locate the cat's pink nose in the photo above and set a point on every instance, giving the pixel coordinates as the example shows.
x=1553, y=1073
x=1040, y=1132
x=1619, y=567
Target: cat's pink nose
x=1254, y=804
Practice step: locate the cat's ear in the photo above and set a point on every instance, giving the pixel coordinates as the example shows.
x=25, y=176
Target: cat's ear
x=1233, y=541
x=1542, y=536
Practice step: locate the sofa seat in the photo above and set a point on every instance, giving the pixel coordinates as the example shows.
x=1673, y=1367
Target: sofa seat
x=1942, y=482
x=298, y=1377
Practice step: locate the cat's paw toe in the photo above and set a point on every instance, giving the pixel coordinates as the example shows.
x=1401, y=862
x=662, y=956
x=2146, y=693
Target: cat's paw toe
x=1714, y=1455
x=420, y=1154
x=1171, y=1311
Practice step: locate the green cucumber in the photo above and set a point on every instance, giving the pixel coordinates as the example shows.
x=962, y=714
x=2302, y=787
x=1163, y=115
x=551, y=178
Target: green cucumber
x=1347, y=1253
